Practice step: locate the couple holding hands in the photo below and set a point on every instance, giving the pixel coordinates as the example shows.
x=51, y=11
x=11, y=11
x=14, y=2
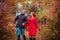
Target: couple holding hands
x=31, y=22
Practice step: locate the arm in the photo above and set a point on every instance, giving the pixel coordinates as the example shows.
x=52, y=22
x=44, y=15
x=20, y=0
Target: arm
x=25, y=21
x=36, y=23
x=15, y=20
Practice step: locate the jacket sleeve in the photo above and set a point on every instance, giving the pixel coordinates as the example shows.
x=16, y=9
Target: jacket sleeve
x=15, y=20
x=27, y=23
x=36, y=23
x=25, y=20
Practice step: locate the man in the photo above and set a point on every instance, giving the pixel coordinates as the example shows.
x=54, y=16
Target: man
x=20, y=20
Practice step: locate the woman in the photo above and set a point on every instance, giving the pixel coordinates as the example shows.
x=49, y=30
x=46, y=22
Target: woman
x=32, y=26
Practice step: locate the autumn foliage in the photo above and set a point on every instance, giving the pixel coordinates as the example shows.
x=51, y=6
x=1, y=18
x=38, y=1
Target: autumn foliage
x=49, y=30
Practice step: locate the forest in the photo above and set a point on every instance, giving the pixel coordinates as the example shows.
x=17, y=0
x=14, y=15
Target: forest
x=48, y=14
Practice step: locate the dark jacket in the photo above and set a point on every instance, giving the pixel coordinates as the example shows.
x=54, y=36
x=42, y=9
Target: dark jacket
x=20, y=19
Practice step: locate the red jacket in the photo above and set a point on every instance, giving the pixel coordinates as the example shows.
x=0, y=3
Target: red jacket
x=32, y=26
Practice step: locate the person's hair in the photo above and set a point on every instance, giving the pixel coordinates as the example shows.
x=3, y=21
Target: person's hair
x=34, y=14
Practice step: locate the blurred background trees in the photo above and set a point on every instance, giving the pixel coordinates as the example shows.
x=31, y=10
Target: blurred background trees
x=48, y=13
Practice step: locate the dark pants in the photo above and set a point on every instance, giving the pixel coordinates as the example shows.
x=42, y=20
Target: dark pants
x=20, y=30
x=32, y=38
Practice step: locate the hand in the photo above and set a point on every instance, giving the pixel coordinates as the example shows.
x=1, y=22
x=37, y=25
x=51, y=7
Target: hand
x=39, y=29
x=23, y=24
x=14, y=28
x=15, y=25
